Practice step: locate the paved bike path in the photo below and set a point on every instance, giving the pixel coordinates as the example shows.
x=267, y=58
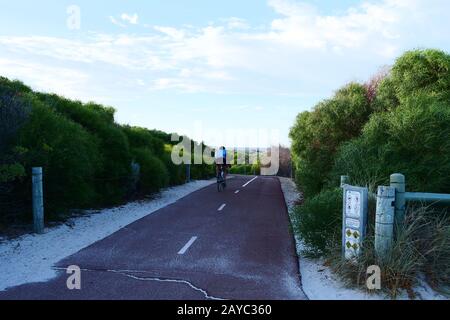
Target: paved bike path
x=230, y=245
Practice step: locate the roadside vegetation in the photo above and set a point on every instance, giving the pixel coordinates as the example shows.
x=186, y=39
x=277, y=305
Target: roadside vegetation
x=398, y=122
x=89, y=160
x=249, y=166
x=263, y=160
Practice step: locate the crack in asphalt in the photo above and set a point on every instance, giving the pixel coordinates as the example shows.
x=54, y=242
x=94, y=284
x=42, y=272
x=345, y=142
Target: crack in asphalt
x=125, y=274
x=204, y=292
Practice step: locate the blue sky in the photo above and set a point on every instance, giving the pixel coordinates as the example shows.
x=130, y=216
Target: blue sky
x=251, y=64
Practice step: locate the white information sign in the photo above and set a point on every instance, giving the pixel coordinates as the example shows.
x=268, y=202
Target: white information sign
x=355, y=208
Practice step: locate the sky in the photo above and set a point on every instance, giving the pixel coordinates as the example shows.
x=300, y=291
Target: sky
x=211, y=68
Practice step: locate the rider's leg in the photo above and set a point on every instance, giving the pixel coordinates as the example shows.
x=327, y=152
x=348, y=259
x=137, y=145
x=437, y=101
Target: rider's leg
x=225, y=169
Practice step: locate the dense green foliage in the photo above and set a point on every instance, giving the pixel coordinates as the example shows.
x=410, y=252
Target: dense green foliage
x=414, y=139
x=246, y=169
x=68, y=154
x=88, y=159
x=404, y=128
x=319, y=221
x=15, y=107
x=154, y=174
x=317, y=135
x=399, y=123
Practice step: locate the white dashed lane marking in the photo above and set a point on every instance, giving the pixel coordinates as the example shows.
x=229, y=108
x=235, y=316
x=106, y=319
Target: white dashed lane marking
x=249, y=182
x=222, y=207
x=187, y=246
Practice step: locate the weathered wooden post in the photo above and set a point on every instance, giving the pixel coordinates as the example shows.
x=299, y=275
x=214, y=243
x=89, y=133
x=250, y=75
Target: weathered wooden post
x=38, y=201
x=398, y=182
x=384, y=221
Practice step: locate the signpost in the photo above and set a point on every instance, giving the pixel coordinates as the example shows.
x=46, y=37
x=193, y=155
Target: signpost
x=384, y=221
x=38, y=201
x=354, y=220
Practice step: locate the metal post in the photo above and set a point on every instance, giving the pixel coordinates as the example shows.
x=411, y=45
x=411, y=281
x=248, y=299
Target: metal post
x=38, y=201
x=384, y=221
x=188, y=173
x=345, y=180
x=398, y=182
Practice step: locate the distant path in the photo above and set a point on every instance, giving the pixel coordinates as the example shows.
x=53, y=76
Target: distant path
x=208, y=245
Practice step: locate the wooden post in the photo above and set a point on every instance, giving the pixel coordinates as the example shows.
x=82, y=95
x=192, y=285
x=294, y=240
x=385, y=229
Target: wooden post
x=384, y=221
x=344, y=180
x=398, y=182
x=38, y=201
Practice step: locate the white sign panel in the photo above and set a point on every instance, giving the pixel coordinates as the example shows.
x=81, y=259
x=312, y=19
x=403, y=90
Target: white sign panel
x=353, y=204
x=355, y=208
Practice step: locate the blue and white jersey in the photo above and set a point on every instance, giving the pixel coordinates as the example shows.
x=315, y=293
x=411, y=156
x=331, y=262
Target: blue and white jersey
x=221, y=154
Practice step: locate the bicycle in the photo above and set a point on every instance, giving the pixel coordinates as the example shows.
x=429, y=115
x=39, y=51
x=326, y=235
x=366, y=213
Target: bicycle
x=221, y=182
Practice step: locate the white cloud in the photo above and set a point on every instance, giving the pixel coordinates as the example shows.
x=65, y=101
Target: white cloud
x=132, y=19
x=171, y=32
x=303, y=25
x=63, y=81
x=175, y=83
x=237, y=23
x=125, y=51
x=117, y=23
x=125, y=19
x=300, y=52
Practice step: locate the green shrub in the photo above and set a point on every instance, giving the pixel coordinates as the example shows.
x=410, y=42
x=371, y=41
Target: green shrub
x=317, y=135
x=144, y=138
x=202, y=171
x=177, y=173
x=166, y=138
x=403, y=127
x=154, y=174
x=15, y=108
x=246, y=169
x=10, y=172
x=418, y=79
x=414, y=139
x=113, y=147
x=319, y=221
x=91, y=116
x=68, y=154
x=116, y=159
x=386, y=98
x=87, y=157
x=422, y=72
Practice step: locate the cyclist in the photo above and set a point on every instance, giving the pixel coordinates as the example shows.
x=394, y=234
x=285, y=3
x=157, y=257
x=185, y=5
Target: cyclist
x=221, y=162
